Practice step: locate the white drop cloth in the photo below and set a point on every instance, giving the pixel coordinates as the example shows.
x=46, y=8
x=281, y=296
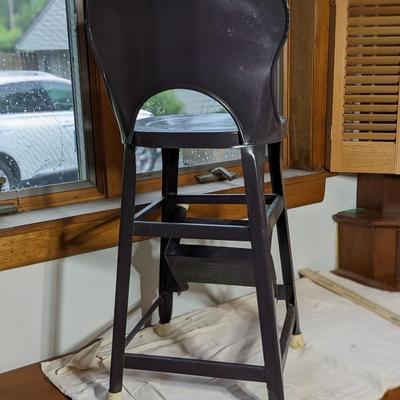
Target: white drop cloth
x=350, y=353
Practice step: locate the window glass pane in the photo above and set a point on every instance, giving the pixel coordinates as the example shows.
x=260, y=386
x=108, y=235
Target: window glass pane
x=21, y=98
x=60, y=95
x=41, y=125
x=183, y=102
x=187, y=102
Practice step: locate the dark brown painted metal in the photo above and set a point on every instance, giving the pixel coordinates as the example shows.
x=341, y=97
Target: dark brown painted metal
x=146, y=211
x=211, y=264
x=192, y=230
x=170, y=140
x=123, y=269
x=219, y=199
x=227, y=50
x=253, y=158
x=167, y=283
x=287, y=331
x=143, y=320
x=217, y=369
x=275, y=158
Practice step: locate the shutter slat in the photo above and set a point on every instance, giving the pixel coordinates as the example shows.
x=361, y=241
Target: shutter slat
x=371, y=108
x=373, y=98
x=371, y=79
x=373, y=40
x=388, y=10
x=372, y=2
x=379, y=70
x=370, y=136
x=372, y=89
x=370, y=127
x=376, y=30
x=371, y=117
x=375, y=50
x=381, y=20
x=374, y=60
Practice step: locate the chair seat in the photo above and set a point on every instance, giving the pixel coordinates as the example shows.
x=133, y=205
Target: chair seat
x=217, y=130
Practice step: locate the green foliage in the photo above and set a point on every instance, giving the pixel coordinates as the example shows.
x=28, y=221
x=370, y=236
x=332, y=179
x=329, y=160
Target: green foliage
x=27, y=11
x=164, y=103
x=8, y=37
x=24, y=14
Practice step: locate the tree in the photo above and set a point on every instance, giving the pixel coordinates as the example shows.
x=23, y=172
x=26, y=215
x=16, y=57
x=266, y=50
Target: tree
x=15, y=17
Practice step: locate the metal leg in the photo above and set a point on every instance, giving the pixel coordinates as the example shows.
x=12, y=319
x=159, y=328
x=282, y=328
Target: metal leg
x=260, y=236
x=274, y=156
x=170, y=160
x=123, y=272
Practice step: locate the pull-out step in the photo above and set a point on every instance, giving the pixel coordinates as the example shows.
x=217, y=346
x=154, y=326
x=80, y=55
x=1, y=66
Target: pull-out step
x=210, y=264
x=213, y=264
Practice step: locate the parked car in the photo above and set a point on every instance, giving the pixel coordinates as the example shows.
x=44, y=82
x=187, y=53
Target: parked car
x=37, y=131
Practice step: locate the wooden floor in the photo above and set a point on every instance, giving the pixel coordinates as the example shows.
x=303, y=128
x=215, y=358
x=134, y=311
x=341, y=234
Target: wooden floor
x=29, y=383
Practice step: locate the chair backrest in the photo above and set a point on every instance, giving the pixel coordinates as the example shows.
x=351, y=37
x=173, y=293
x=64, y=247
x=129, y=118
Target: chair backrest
x=224, y=48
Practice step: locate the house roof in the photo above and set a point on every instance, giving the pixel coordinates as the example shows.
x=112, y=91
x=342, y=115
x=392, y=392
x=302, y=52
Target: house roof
x=49, y=30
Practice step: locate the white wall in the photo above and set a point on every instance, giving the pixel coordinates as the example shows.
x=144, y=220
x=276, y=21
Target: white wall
x=55, y=307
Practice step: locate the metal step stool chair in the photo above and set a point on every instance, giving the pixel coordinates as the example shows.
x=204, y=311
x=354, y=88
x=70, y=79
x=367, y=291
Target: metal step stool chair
x=227, y=50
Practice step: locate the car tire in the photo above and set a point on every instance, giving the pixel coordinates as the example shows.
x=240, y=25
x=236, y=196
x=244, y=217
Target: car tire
x=11, y=180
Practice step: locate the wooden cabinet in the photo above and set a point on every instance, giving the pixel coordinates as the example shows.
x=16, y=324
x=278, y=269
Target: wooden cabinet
x=369, y=236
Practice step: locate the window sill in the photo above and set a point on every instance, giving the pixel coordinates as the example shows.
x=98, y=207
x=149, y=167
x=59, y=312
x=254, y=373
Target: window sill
x=48, y=234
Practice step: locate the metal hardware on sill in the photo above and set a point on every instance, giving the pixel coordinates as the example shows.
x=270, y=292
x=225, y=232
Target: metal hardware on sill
x=6, y=208
x=216, y=174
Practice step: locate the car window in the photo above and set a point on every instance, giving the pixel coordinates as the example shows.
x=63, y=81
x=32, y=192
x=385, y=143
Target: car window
x=60, y=95
x=21, y=97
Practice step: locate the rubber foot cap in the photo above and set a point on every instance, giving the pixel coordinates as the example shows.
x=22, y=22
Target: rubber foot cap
x=162, y=330
x=114, y=396
x=297, y=342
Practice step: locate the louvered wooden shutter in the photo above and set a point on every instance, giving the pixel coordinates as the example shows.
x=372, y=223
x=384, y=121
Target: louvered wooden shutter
x=365, y=107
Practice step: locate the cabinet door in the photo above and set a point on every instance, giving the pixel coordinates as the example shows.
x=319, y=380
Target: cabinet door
x=365, y=97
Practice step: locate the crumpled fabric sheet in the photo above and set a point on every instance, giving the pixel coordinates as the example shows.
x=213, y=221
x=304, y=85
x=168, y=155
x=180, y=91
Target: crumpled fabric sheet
x=350, y=353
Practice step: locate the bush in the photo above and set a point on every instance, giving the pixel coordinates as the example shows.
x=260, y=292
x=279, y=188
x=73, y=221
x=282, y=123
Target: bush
x=164, y=103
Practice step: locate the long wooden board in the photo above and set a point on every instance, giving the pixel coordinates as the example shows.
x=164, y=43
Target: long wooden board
x=350, y=295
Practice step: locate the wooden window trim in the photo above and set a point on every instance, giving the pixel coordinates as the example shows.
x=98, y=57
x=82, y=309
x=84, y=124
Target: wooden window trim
x=49, y=240
x=308, y=83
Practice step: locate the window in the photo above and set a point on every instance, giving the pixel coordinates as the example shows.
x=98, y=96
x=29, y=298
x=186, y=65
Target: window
x=21, y=98
x=182, y=101
x=53, y=127
x=44, y=147
x=60, y=95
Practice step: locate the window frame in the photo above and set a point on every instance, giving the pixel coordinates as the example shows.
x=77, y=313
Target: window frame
x=70, y=192
x=308, y=83
x=105, y=153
